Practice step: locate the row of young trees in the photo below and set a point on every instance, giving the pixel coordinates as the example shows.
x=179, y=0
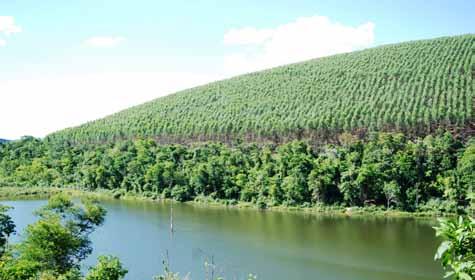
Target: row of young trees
x=433, y=173
x=413, y=87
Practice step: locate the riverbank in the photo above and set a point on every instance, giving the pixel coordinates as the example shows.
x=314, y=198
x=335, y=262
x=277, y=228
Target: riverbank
x=15, y=193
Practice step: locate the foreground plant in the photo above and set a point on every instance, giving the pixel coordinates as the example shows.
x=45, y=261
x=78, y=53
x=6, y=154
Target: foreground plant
x=7, y=227
x=457, y=251
x=210, y=272
x=54, y=246
x=107, y=268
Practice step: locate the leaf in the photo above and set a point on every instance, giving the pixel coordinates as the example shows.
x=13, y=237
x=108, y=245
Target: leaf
x=448, y=274
x=444, y=246
x=464, y=276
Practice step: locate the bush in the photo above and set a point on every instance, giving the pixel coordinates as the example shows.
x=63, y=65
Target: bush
x=166, y=193
x=118, y=194
x=261, y=204
x=180, y=193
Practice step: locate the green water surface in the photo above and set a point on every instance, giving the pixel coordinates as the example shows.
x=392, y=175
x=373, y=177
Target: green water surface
x=273, y=245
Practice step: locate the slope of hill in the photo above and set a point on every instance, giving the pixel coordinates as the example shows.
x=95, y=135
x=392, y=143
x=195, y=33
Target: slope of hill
x=414, y=87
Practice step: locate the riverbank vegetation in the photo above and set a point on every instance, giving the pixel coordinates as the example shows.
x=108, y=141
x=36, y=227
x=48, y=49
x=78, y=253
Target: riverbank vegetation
x=435, y=173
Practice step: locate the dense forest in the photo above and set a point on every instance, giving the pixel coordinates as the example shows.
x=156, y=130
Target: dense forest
x=414, y=87
x=390, y=170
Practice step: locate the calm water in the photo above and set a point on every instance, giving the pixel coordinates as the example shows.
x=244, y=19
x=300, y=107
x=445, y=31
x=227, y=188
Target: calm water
x=270, y=244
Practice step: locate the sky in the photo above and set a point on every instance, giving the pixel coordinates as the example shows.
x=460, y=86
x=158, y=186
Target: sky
x=63, y=63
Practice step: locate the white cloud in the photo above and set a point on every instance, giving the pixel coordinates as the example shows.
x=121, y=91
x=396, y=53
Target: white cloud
x=302, y=39
x=247, y=36
x=104, y=41
x=7, y=25
x=40, y=106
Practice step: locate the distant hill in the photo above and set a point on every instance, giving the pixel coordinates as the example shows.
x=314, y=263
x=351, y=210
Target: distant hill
x=413, y=87
x=3, y=140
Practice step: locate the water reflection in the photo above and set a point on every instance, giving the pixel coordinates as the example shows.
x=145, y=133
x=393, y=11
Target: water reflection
x=273, y=245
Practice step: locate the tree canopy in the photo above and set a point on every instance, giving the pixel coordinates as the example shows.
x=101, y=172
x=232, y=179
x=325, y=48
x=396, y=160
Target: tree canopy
x=390, y=170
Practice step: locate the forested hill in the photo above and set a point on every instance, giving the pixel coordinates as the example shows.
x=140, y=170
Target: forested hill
x=414, y=87
x=3, y=140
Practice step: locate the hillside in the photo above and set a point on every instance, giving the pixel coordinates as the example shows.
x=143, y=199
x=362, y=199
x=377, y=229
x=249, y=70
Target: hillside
x=413, y=87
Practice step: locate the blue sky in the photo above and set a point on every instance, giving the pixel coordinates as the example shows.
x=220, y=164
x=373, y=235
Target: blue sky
x=66, y=62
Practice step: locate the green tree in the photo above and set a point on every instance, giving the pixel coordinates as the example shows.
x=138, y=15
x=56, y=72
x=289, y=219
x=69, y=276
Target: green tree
x=294, y=187
x=323, y=182
x=392, y=192
x=107, y=268
x=57, y=242
x=7, y=227
x=466, y=171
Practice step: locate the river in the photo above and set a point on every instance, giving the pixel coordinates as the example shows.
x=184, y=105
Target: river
x=272, y=245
